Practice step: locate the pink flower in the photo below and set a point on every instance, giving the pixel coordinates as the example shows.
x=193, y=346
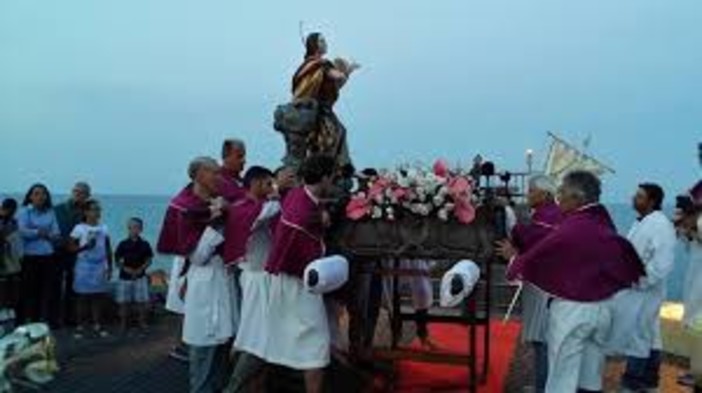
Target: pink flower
x=441, y=168
x=377, y=190
x=358, y=208
x=460, y=190
x=399, y=193
x=459, y=185
x=464, y=211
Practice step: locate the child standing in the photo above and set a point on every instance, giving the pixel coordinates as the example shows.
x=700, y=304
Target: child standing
x=93, y=268
x=133, y=257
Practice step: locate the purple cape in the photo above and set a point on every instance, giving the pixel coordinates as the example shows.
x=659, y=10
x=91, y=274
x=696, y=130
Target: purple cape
x=584, y=259
x=230, y=188
x=186, y=218
x=241, y=215
x=544, y=220
x=299, y=235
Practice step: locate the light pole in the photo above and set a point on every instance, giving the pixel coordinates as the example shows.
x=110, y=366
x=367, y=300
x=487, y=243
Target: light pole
x=529, y=160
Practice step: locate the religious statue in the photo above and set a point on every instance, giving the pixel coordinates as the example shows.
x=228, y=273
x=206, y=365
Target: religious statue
x=309, y=123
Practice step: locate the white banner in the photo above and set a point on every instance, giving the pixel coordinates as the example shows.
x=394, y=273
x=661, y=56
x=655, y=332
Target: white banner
x=563, y=158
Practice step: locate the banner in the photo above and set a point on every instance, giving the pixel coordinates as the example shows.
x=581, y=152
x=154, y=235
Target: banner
x=563, y=158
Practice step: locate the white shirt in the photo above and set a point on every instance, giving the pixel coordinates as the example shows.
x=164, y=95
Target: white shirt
x=84, y=233
x=654, y=239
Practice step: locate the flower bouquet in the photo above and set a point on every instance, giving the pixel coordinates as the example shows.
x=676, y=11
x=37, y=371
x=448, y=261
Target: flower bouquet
x=415, y=192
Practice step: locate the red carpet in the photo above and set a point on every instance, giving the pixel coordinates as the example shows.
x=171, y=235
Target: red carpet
x=424, y=377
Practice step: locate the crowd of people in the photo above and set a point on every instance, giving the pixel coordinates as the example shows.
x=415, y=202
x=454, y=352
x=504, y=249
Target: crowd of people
x=242, y=239
x=57, y=263
x=589, y=292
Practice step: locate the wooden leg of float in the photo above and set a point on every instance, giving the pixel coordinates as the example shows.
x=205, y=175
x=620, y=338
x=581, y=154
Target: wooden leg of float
x=472, y=347
x=486, y=330
x=396, y=320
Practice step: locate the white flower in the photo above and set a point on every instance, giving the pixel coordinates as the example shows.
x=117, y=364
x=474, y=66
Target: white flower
x=422, y=209
x=438, y=200
x=403, y=182
x=443, y=215
x=379, y=199
x=449, y=206
x=443, y=191
x=390, y=211
x=377, y=213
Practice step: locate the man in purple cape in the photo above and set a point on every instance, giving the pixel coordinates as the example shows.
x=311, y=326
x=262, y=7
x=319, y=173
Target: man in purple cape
x=545, y=216
x=298, y=335
x=210, y=317
x=582, y=265
x=230, y=185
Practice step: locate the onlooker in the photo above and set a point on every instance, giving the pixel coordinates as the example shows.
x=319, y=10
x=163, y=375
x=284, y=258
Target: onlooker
x=10, y=257
x=133, y=256
x=93, y=267
x=41, y=273
x=69, y=214
x=653, y=236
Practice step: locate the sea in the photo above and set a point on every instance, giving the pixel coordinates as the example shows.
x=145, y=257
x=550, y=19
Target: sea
x=117, y=209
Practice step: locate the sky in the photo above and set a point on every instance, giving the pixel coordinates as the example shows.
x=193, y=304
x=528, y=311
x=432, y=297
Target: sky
x=124, y=93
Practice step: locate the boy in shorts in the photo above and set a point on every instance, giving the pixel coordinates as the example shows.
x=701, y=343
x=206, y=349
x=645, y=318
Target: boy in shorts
x=133, y=257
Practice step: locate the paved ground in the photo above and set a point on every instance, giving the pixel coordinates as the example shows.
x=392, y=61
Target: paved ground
x=131, y=363
x=140, y=363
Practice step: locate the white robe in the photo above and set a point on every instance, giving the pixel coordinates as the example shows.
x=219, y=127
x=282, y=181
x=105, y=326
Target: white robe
x=255, y=284
x=298, y=329
x=173, y=301
x=692, y=294
x=211, y=316
x=654, y=240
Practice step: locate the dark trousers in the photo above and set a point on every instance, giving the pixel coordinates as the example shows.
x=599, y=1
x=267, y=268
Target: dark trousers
x=363, y=303
x=642, y=373
x=68, y=300
x=540, y=366
x=246, y=369
x=41, y=289
x=209, y=368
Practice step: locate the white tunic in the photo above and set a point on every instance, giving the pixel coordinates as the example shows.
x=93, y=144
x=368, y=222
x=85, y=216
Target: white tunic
x=692, y=295
x=255, y=284
x=298, y=329
x=210, y=314
x=654, y=240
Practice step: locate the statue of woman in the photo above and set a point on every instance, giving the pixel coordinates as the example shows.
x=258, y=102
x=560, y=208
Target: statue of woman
x=320, y=80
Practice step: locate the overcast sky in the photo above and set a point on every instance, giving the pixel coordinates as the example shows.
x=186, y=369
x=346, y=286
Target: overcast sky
x=123, y=93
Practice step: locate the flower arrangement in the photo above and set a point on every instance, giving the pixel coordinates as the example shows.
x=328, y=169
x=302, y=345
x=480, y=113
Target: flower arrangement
x=420, y=192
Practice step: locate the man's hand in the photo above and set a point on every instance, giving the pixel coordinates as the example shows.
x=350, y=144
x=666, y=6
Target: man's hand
x=505, y=249
x=217, y=206
x=353, y=67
